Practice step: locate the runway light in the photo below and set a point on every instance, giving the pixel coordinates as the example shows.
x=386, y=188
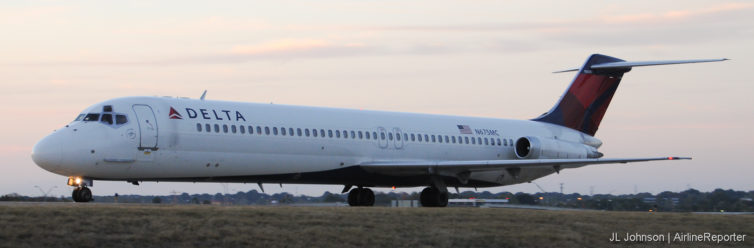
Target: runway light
x=670, y=158
x=578, y=198
x=541, y=197
x=393, y=187
x=650, y=210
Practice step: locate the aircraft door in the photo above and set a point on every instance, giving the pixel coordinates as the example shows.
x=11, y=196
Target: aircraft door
x=383, y=137
x=399, y=139
x=147, y=126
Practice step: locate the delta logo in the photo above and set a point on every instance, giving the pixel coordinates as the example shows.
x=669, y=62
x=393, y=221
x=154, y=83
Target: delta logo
x=207, y=114
x=174, y=114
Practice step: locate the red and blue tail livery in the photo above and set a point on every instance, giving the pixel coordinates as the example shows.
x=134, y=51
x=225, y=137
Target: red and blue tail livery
x=584, y=103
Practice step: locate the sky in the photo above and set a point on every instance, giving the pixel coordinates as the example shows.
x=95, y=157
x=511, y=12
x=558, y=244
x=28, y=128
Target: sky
x=471, y=58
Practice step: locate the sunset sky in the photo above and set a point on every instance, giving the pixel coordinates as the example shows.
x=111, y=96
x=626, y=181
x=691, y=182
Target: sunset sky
x=473, y=58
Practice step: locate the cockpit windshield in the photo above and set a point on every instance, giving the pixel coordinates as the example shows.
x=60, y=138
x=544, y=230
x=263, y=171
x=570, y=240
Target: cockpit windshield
x=91, y=117
x=104, y=118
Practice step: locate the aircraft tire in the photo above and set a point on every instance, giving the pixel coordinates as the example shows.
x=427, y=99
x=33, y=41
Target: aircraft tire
x=353, y=197
x=85, y=194
x=366, y=197
x=75, y=195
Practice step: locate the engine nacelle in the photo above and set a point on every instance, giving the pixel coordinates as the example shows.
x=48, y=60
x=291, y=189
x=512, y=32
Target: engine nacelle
x=546, y=148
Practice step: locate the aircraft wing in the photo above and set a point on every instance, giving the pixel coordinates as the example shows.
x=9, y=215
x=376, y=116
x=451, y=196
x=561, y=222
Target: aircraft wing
x=396, y=167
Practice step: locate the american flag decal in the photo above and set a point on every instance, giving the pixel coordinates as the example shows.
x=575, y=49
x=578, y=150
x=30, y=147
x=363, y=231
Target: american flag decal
x=464, y=129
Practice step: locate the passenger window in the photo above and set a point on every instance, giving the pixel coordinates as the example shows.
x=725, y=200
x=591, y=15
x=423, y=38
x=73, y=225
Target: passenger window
x=486, y=142
x=382, y=136
x=390, y=136
x=107, y=118
x=398, y=136
x=473, y=141
x=374, y=135
x=361, y=135
x=413, y=137
x=267, y=130
x=426, y=138
x=217, y=128
x=243, y=129
x=439, y=138
x=298, y=131
x=499, y=143
x=251, y=130
x=306, y=131
x=91, y=117
x=479, y=140
x=315, y=132
x=405, y=136
x=454, y=139
x=433, y=139
x=233, y=128
x=337, y=133
x=329, y=133
x=290, y=131
x=282, y=131
x=275, y=130
x=198, y=127
x=345, y=134
x=225, y=128
x=207, y=128
x=353, y=135
x=420, y=137
x=447, y=140
x=259, y=130
x=120, y=119
x=322, y=133
x=505, y=142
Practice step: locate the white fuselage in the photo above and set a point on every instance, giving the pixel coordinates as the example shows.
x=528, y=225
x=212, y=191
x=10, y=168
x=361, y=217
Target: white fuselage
x=221, y=141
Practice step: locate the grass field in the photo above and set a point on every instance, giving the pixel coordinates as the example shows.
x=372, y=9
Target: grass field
x=133, y=225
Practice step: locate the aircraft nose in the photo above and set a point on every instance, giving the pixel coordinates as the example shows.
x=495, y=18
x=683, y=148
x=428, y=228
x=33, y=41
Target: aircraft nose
x=47, y=153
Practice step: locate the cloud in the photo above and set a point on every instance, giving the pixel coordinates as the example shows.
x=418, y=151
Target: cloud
x=281, y=47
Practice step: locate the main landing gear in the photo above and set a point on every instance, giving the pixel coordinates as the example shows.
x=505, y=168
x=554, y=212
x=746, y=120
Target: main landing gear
x=361, y=197
x=81, y=193
x=434, y=197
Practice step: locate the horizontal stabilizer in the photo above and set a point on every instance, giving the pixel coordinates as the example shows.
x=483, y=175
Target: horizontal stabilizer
x=630, y=64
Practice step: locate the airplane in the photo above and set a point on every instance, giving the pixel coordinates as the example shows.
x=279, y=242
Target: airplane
x=137, y=139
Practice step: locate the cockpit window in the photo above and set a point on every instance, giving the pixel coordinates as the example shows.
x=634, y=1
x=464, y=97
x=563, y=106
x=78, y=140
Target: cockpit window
x=121, y=119
x=107, y=118
x=80, y=117
x=91, y=117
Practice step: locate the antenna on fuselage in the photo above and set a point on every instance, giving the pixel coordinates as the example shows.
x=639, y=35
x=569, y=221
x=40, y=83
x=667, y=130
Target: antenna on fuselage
x=203, y=95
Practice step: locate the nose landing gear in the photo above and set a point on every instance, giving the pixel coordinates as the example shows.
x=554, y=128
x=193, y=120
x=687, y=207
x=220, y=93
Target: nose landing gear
x=81, y=193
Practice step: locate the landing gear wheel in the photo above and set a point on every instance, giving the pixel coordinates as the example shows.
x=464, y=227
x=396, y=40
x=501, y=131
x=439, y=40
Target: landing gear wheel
x=75, y=195
x=433, y=197
x=82, y=194
x=366, y=197
x=361, y=197
x=353, y=197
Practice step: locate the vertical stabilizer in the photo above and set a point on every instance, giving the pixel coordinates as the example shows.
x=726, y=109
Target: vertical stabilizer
x=583, y=105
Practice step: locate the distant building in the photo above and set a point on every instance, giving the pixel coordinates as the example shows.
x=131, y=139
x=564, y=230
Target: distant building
x=405, y=203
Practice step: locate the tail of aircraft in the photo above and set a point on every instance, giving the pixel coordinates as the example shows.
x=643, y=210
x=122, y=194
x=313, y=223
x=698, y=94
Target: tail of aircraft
x=585, y=102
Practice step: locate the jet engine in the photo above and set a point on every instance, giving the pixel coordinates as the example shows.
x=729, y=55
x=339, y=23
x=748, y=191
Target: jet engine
x=546, y=148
